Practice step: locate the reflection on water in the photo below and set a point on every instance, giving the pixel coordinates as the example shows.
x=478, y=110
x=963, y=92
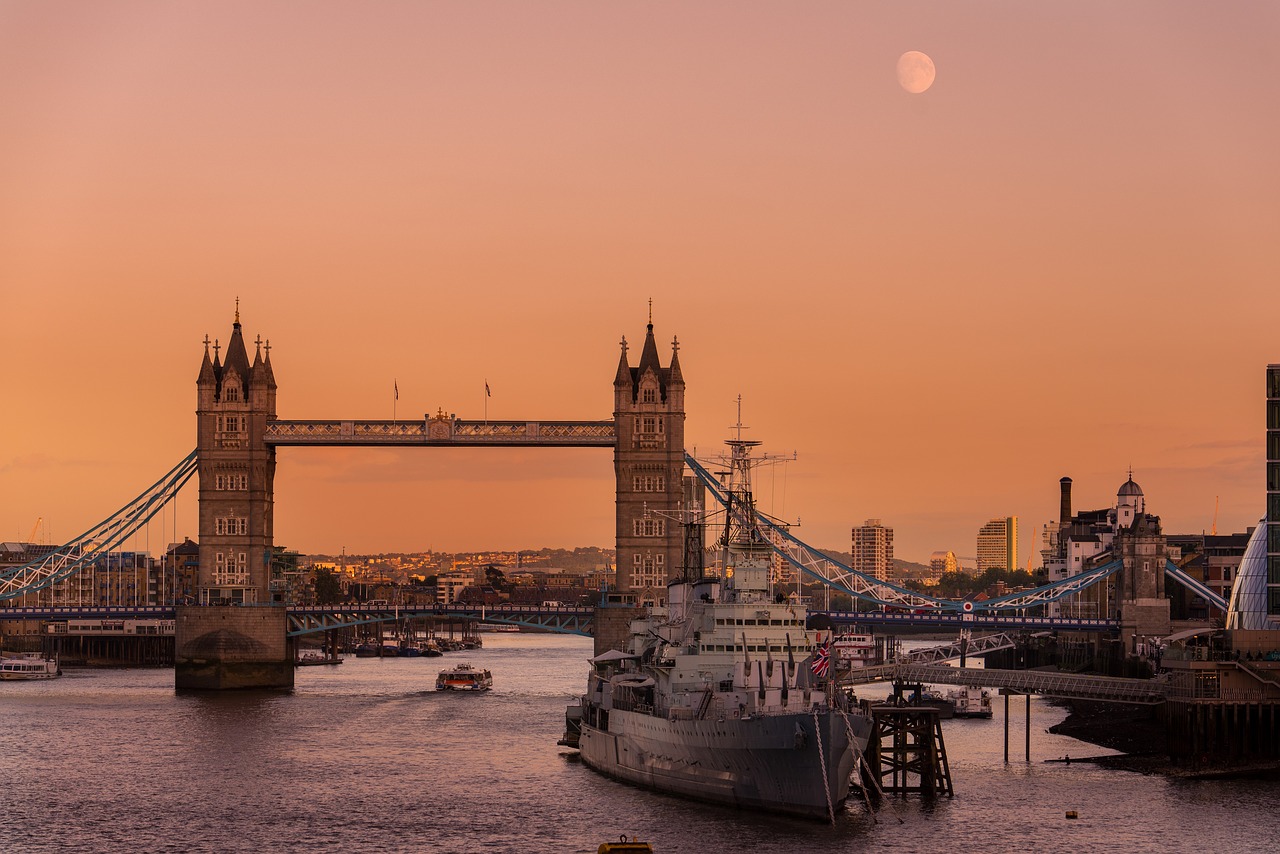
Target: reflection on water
x=367, y=757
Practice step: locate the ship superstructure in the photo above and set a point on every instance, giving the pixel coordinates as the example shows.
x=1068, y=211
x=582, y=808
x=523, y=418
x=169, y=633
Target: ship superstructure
x=717, y=695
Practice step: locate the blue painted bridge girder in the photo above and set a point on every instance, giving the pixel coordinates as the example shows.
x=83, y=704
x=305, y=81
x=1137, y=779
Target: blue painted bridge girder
x=967, y=621
x=91, y=612
x=577, y=620
x=571, y=620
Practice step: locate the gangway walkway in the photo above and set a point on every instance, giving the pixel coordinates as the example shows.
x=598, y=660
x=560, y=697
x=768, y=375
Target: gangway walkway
x=980, y=645
x=1072, y=686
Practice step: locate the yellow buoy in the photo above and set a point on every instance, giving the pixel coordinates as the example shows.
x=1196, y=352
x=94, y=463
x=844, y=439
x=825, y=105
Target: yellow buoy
x=625, y=846
x=1072, y=814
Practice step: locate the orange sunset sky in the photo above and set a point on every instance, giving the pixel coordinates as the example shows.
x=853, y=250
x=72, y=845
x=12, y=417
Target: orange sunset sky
x=1061, y=259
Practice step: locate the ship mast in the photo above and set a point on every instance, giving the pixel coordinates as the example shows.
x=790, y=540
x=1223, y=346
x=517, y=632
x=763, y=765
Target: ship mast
x=741, y=534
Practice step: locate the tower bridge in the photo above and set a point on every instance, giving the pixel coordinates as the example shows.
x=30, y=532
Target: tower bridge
x=239, y=431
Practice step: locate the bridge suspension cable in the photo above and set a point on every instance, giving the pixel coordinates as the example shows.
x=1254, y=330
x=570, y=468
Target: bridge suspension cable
x=1195, y=585
x=840, y=577
x=813, y=562
x=97, y=542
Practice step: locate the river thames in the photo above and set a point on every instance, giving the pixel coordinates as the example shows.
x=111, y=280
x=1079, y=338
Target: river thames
x=367, y=756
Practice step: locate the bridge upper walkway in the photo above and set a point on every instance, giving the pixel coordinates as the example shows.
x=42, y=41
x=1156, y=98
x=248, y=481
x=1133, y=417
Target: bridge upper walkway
x=444, y=431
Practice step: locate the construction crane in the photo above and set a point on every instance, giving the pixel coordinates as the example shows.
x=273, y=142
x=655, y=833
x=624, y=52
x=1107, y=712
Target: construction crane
x=31, y=538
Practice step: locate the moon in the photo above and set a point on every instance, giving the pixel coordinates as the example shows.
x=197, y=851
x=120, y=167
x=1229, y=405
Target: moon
x=915, y=71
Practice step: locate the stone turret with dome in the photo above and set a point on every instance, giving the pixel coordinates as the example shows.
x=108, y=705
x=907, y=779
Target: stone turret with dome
x=1126, y=538
x=1131, y=494
x=1131, y=503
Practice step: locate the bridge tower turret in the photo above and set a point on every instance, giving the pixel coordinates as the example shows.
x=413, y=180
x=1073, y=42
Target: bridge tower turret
x=236, y=401
x=649, y=413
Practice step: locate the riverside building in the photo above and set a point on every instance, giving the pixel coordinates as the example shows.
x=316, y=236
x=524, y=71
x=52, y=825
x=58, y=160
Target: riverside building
x=998, y=544
x=873, y=550
x=1127, y=533
x=940, y=563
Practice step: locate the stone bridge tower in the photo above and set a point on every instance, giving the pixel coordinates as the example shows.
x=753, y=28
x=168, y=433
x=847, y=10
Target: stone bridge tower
x=236, y=401
x=648, y=412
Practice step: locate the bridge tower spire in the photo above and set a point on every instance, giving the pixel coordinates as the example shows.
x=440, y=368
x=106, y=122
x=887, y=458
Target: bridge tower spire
x=236, y=400
x=649, y=415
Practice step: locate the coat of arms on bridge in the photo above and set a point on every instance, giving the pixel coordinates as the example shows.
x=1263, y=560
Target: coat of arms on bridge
x=439, y=427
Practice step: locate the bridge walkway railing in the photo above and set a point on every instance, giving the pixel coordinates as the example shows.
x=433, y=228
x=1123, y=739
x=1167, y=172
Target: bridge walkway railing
x=979, y=645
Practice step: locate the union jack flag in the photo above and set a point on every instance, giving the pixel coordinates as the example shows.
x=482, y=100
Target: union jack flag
x=822, y=658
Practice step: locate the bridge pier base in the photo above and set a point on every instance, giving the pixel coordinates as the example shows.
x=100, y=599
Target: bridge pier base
x=612, y=622
x=228, y=647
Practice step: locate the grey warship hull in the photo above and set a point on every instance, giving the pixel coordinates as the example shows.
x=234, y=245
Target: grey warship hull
x=787, y=763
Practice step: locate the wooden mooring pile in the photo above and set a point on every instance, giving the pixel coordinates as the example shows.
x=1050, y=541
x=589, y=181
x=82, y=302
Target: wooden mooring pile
x=906, y=753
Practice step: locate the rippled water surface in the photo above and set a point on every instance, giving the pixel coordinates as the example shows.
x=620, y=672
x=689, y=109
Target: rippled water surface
x=368, y=757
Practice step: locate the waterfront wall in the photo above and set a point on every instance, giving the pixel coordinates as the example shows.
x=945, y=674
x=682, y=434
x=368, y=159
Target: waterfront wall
x=228, y=647
x=1209, y=733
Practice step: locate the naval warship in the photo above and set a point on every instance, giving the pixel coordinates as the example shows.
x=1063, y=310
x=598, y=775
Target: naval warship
x=724, y=695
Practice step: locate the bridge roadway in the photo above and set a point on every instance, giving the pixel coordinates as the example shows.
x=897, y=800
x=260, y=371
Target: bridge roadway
x=319, y=618
x=566, y=619
x=966, y=621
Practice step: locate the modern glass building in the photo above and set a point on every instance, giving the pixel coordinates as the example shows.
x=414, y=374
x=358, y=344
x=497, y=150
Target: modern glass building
x=1272, y=521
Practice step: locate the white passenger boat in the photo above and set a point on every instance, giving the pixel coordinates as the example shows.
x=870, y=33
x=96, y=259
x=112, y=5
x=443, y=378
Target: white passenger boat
x=857, y=650
x=464, y=677
x=28, y=665
x=971, y=702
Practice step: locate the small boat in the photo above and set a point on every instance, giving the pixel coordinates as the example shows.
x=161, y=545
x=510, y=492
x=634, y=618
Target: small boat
x=626, y=846
x=929, y=697
x=971, y=702
x=309, y=657
x=28, y=665
x=464, y=677
x=367, y=650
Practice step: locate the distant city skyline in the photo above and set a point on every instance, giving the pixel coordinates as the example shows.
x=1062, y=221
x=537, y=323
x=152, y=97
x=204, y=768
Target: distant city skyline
x=1057, y=260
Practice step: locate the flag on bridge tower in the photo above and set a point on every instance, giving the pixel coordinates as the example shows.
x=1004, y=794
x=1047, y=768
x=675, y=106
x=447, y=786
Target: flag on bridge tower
x=396, y=385
x=487, y=393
